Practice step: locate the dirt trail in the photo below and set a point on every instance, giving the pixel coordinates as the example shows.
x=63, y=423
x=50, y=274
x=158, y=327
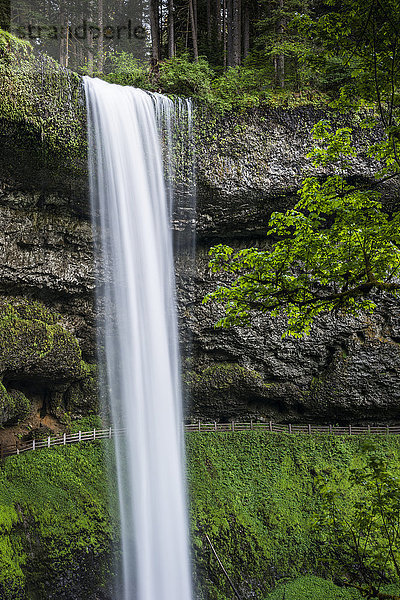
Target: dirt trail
x=34, y=421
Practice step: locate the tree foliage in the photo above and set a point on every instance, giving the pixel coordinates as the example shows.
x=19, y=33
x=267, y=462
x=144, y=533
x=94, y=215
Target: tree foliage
x=330, y=252
x=365, y=540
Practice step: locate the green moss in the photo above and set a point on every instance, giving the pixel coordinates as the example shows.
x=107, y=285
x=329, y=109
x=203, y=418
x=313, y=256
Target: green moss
x=312, y=588
x=31, y=341
x=225, y=374
x=35, y=347
x=225, y=390
x=82, y=397
x=55, y=529
x=254, y=494
x=12, y=45
x=44, y=99
x=14, y=406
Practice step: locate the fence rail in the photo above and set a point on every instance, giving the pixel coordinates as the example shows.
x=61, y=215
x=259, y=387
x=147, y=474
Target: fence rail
x=272, y=427
x=62, y=440
x=233, y=426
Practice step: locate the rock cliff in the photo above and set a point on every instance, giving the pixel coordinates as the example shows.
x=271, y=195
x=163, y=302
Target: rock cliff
x=250, y=165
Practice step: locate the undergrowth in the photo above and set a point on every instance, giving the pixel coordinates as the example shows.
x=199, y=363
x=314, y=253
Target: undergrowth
x=55, y=527
x=253, y=494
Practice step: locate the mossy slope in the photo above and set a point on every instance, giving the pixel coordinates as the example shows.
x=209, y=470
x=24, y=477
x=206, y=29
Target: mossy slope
x=252, y=493
x=255, y=496
x=55, y=530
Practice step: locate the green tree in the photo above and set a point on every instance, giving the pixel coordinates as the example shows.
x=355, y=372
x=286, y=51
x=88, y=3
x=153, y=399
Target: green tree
x=330, y=252
x=363, y=540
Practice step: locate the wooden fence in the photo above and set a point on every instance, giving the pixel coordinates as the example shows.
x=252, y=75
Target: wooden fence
x=62, y=440
x=233, y=426
x=290, y=428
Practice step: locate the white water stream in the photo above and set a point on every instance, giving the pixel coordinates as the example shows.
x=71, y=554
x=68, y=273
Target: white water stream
x=138, y=340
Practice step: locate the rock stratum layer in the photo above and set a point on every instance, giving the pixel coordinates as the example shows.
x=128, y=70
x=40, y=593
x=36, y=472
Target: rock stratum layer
x=346, y=371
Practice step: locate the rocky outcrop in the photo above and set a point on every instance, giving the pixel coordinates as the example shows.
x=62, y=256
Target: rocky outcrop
x=41, y=359
x=346, y=371
x=251, y=165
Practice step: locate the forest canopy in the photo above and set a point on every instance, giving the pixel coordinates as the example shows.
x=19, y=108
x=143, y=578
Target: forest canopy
x=260, y=49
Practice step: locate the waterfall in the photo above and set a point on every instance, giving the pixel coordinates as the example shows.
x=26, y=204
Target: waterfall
x=138, y=340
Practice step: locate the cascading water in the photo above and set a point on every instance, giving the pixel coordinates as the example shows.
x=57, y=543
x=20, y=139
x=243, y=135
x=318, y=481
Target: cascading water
x=138, y=337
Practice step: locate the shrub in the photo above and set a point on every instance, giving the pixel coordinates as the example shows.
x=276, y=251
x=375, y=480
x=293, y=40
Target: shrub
x=180, y=76
x=127, y=70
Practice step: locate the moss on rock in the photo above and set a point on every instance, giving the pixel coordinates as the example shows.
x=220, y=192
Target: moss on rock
x=42, y=125
x=43, y=95
x=55, y=525
x=254, y=494
x=38, y=354
x=14, y=406
x=82, y=397
x=225, y=390
x=32, y=343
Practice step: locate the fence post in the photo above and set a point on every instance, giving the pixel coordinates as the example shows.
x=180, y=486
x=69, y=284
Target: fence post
x=33, y=444
x=330, y=429
x=65, y=438
x=199, y=425
x=309, y=428
x=80, y=436
x=16, y=447
x=109, y=435
x=349, y=429
x=251, y=424
x=290, y=428
x=233, y=425
x=215, y=425
x=369, y=428
x=270, y=426
x=94, y=434
x=48, y=442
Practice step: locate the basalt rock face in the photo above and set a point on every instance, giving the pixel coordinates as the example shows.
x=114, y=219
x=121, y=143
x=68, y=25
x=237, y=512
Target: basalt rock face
x=252, y=165
x=346, y=371
x=46, y=254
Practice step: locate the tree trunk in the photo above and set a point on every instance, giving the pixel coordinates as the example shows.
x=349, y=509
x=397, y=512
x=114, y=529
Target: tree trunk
x=225, y=34
x=236, y=33
x=100, y=21
x=209, y=23
x=195, y=15
x=61, y=46
x=246, y=30
x=280, y=59
x=218, y=19
x=67, y=44
x=187, y=28
x=229, y=33
x=90, y=54
x=171, y=37
x=155, y=32
x=194, y=30
x=5, y=14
